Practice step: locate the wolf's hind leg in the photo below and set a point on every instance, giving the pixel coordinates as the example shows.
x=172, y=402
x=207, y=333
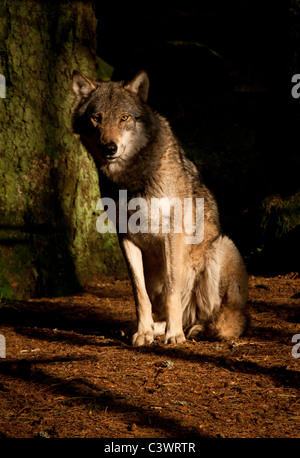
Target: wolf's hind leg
x=229, y=324
x=232, y=318
x=221, y=293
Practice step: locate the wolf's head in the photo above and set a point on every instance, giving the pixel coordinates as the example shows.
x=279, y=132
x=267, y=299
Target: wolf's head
x=112, y=118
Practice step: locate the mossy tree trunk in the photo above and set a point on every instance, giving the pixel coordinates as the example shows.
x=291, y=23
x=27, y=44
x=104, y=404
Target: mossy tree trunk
x=48, y=184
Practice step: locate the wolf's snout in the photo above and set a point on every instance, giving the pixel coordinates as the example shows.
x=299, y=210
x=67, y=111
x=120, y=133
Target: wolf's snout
x=109, y=149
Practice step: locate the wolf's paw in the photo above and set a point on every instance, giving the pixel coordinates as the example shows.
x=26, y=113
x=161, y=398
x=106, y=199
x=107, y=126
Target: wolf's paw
x=173, y=339
x=195, y=332
x=141, y=339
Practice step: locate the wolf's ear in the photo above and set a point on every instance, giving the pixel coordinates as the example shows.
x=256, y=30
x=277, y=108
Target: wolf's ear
x=82, y=86
x=139, y=85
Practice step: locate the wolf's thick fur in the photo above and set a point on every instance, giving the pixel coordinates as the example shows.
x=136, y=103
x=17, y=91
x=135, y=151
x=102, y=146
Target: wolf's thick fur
x=198, y=287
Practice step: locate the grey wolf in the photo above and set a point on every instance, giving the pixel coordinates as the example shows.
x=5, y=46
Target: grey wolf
x=197, y=289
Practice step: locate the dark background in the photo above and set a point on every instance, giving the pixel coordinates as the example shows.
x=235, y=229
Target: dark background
x=221, y=73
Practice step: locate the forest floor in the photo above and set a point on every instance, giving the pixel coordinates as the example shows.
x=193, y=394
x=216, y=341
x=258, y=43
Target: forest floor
x=70, y=372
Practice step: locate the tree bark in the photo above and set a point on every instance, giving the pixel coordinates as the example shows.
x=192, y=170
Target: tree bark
x=48, y=183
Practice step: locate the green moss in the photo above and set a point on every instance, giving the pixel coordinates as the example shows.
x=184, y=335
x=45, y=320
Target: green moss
x=48, y=184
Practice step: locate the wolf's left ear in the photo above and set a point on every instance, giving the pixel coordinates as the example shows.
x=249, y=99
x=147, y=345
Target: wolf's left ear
x=82, y=86
x=139, y=85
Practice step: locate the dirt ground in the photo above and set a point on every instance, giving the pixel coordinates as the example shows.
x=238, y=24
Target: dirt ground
x=70, y=371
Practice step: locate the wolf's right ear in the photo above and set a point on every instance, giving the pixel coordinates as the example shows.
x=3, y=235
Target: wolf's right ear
x=139, y=85
x=82, y=86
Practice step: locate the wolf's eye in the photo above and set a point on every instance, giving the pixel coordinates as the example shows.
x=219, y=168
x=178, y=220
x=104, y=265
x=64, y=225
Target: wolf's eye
x=97, y=118
x=124, y=117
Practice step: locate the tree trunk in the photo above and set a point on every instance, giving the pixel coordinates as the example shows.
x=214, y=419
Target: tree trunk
x=48, y=184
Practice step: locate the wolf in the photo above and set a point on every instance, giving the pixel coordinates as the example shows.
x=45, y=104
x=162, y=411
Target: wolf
x=193, y=290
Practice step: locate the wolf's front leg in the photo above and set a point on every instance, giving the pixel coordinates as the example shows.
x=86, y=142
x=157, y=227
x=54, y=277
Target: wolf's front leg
x=133, y=256
x=173, y=251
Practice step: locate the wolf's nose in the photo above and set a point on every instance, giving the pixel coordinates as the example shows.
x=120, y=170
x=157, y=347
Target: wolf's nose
x=109, y=149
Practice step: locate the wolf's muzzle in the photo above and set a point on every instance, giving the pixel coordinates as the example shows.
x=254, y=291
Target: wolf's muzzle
x=109, y=149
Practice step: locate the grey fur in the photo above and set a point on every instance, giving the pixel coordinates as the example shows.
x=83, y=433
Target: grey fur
x=201, y=288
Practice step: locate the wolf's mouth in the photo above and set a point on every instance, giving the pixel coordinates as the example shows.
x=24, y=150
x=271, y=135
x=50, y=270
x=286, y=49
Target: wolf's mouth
x=112, y=158
x=109, y=156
